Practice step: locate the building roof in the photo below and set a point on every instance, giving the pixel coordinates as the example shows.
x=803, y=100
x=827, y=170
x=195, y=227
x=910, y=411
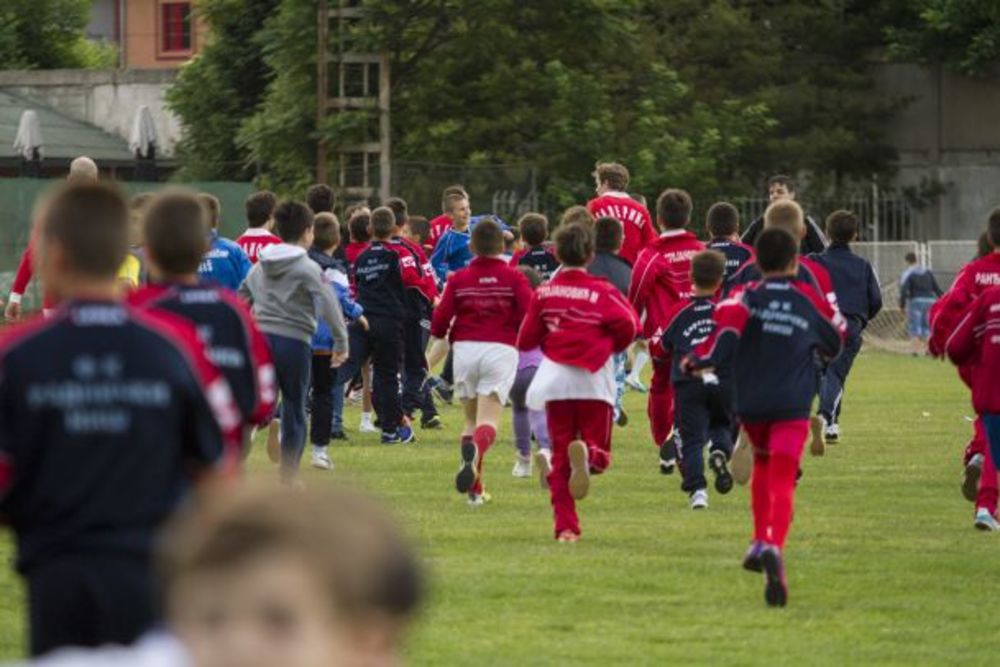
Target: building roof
x=64, y=138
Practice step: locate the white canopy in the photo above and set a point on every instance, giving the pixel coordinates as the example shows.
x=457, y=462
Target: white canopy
x=29, y=135
x=143, y=131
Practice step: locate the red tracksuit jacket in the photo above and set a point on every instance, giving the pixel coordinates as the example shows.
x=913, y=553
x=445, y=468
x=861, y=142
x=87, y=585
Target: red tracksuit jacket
x=976, y=343
x=972, y=280
x=484, y=302
x=662, y=278
x=635, y=219
x=579, y=320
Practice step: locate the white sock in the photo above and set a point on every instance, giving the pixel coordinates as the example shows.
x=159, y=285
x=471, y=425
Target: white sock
x=318, y=449
x=366, y=418
x=641, y=358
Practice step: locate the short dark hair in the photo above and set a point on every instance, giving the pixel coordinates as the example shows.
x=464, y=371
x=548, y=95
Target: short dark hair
x=534, y=228
x=608, y=234
x=708, y=268
x=529, y=272
x=399, y=209
x=673, y=208
x=722, y=220
x=213, y=209
x=176, y=233
x=910, y=257
x=994, y=228
x=326, y=231
x=984, y=247
x=776, y=250
x=781, y=179
x=320, y=198
x=383, y=223
x=575, y=245
x=90, y=221
x=260, y=207
x=487, y=238
x=842, y=226
x=419, y=227
x=292, y=220
x=361, y=228
x=613, y=173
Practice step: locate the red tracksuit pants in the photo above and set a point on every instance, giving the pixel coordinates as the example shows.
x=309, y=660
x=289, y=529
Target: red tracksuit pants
x=988, y=492
x=660, y=404
x=777, y=452
x=586, y=420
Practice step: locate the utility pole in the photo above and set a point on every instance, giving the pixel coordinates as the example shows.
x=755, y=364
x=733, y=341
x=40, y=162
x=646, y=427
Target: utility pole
x=361, y=84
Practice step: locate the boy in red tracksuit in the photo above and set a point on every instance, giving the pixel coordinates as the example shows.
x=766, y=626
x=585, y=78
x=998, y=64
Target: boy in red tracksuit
x=976, y=343
x=612, y=201
x=480, y=313
x=580, y=321
x=980, y=480
x=770, y=335
x=660, y=280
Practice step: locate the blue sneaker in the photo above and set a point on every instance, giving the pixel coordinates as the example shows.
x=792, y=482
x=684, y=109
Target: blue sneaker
x=775, y=590
x=751, y=560
x=401, y=436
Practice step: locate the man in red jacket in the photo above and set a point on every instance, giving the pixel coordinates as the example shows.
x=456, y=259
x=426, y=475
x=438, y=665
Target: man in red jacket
x=976, y=344
x=480, y=313
x=660, y=280
x=612, y=201
x=580, y=321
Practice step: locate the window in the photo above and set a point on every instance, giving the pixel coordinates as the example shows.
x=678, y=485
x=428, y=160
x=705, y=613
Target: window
x=175, y=26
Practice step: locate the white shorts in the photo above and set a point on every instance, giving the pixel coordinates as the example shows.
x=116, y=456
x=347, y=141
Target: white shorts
x=482, y=369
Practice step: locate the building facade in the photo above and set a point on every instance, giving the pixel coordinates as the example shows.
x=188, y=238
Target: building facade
x=150, y=34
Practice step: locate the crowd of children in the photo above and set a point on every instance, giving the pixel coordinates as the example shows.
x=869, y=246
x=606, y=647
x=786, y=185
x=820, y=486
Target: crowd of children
x=164, y=386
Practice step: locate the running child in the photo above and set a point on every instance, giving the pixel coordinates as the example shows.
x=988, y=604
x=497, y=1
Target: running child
x=723, y=225
x=859, y=297
x=527, y=423
x=661, y=279
x=704, y=404
x=536, y=254
x=580, y=321
x=770, y=335
x=109, y=416
x=480, y=313
x=442, y=223
x=225, y=264
x=259, y=212
x=452, y=252
x=611, y=180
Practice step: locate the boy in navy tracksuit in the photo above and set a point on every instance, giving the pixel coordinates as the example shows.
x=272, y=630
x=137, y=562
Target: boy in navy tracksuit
x=382, y=274
x=703, y=405
x=860, y=298
x=723, y=224
x=534, y=227
x=771, y=334
x=108, y=415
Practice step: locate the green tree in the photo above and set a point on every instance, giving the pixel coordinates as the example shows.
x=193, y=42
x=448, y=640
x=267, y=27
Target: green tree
x=220, y=88
x=49, y=34
x=962, y=34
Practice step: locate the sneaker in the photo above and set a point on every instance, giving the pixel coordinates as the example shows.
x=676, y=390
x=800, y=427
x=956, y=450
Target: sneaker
x=817, y=446
x=401, y=436
x=751, y=559
x=622, y=420
x=985, y=520
x=274, y=441
x=699, y=500
x=441, y=389
x=775, y=590
x=479, y=499
x=543, y=464
x=522, y=467
x=832, y=433
x=668, y=456
x=338, y=435
x=636, y=385
x=467, y=474
x=741, y=462
x=321, y=460
x=568, y=537
x=366, y=426
x=970, y=480
x=356, y=396
x=720, y=467
x=432, y=423
x=579, y=476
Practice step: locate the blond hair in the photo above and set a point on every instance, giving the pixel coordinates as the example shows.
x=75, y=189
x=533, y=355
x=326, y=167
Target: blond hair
x=787, y=215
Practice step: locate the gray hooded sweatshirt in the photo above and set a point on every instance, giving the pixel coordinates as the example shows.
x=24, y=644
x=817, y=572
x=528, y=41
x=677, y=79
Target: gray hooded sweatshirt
x=286, y=290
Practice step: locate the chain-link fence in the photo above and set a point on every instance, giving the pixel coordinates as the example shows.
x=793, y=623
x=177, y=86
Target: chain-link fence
x=884, y=216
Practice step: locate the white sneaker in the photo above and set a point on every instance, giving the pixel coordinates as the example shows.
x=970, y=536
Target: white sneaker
x=636, y=384
x=543, y=463
x=478, y=499
x=321, y=460
x=817, y=426
x=985, y=520
x=699, y=499
x=522, y=467
x=832, y=433
x=366, y=425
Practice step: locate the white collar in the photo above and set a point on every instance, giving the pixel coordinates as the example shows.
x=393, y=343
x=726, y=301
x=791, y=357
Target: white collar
x=617, y=193
x=672, y=232
x=257, y=231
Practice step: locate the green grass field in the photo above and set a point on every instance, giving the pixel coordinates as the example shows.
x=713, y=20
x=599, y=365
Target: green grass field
x=884, y=566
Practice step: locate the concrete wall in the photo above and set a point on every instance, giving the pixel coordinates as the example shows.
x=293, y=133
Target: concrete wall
x=948, y=133
x=108, y=99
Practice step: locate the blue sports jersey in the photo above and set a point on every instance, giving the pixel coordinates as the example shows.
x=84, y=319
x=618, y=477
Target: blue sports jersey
x=225, y=264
